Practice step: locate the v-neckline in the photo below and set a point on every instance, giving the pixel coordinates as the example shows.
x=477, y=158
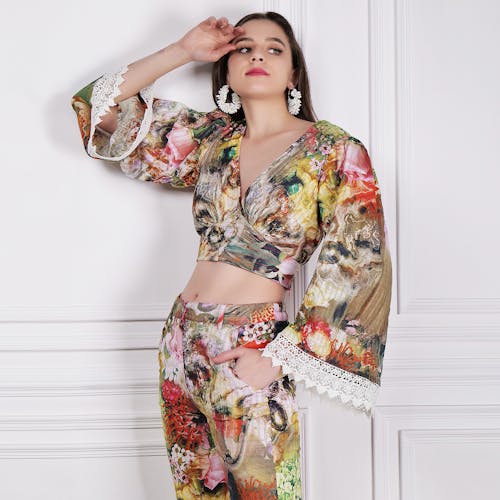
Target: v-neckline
x=241, y=128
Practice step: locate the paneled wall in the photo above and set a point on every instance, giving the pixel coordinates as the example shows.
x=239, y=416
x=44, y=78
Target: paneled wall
x=90, y=261
x=435, y=121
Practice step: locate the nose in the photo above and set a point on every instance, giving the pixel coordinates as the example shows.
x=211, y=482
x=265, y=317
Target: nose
x=257, y=53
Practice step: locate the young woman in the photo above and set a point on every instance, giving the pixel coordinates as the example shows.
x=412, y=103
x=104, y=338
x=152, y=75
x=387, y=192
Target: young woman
x=270, y=183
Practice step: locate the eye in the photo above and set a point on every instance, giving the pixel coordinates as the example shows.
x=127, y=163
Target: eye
x=245, y=50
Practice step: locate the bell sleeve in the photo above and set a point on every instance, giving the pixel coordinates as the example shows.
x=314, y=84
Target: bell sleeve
x=336, y=343
x=156, y=140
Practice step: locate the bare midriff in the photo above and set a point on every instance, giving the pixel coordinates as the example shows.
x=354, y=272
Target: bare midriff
x=222, y=283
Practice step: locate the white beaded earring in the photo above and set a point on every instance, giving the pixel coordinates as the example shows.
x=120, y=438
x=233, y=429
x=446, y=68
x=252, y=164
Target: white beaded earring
x=228, y=107
x=294, y=101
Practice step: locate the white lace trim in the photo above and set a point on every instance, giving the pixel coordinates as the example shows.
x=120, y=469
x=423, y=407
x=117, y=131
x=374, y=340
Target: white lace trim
x=105, y=89
x=350, y=388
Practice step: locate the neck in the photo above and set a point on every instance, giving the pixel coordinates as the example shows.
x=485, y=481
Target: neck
x=265, y=117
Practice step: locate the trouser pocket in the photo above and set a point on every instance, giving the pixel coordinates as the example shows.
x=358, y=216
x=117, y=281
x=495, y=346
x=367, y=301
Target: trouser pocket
x=256, y=336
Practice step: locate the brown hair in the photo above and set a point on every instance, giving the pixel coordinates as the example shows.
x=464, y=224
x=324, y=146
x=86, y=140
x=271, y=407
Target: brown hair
x=219, y=68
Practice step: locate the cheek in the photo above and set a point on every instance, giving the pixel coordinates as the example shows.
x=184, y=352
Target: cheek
x=233, y=65
x=235, y=58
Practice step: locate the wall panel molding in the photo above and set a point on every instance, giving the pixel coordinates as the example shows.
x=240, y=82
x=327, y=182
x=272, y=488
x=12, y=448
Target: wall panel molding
x=139, y=335
x=50, y=450
x=294, y=10
x=393, y=427
x=404, y=10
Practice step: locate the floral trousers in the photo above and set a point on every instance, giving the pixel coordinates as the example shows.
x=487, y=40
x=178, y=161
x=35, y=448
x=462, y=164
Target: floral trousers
x=226, y=439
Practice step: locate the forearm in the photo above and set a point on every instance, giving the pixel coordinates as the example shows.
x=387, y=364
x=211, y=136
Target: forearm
x=142, y=73
x=98, y=103
x=147, y=70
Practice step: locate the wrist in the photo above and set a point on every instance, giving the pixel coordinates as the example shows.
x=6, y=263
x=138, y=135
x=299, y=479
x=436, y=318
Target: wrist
x=179, y=52
x=174, y=55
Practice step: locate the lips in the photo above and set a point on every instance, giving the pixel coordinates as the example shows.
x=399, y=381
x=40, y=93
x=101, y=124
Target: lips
x=257, y=71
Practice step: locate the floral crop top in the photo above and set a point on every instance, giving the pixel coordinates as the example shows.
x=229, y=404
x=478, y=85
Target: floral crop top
x=322, y=188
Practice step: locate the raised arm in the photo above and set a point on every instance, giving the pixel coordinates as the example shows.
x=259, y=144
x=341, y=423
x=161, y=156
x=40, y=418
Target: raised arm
x=153, y=139
x=141, y=74
x=207, y=42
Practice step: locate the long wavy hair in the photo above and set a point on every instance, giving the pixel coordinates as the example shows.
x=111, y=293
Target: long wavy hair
x=219, y=68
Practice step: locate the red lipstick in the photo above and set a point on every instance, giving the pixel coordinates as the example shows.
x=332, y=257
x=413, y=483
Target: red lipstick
x=257, y=71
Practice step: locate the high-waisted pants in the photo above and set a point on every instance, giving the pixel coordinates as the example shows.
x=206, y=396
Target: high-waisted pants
x=226, y=439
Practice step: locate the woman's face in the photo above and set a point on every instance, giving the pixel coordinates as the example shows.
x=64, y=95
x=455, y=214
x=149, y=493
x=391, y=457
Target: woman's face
x=264, y=45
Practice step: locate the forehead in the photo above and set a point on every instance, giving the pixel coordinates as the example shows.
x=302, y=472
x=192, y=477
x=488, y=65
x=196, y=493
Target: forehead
x=260, y=29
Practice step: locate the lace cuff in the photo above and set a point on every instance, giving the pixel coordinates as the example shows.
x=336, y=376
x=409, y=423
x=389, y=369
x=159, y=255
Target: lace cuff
x=133, y=121
x=351, y=389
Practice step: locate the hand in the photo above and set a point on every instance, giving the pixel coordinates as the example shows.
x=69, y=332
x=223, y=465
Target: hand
x=251, y=367
x=209, y=40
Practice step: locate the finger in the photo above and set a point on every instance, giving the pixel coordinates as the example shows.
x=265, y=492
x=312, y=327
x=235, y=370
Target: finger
x=210, y=21
x=227, y=30
x=237, y=32
x=224, y=50
x=227, y=355
x=222, y=21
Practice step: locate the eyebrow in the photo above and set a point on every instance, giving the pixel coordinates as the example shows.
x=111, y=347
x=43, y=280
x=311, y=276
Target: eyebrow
x=276, y=39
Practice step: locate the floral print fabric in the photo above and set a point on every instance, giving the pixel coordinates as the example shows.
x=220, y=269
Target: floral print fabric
x=321, y=189
x=224, y=438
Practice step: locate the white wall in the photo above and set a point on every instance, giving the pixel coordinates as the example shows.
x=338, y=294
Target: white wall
x=435, y=120
x=88, y=269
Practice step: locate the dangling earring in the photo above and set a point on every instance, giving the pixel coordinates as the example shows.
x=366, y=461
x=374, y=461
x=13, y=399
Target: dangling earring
x=294, y=96
x=228, y=107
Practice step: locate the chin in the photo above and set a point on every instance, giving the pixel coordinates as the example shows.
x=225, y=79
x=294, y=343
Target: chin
x=258, y=91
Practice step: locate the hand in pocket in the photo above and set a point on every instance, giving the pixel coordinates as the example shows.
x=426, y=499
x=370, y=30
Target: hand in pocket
x=251, y=367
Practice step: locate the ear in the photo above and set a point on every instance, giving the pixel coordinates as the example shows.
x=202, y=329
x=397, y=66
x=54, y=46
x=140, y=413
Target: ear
x=292, y=82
